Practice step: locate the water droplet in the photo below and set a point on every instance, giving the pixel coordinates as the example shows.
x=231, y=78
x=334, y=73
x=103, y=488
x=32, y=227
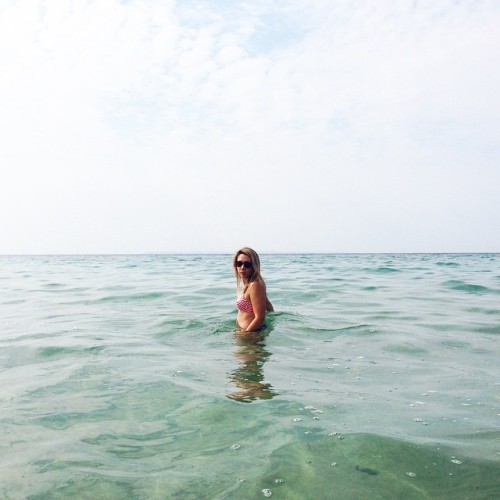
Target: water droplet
x=267, y=492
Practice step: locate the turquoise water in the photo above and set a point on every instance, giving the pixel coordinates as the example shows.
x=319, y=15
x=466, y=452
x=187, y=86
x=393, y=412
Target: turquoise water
x=377, y=377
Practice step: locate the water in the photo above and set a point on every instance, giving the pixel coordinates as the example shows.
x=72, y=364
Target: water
x=377, y=377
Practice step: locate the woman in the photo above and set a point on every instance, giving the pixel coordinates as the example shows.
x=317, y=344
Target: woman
x=252, y=299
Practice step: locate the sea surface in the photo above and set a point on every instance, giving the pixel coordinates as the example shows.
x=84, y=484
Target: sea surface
x=123, y=377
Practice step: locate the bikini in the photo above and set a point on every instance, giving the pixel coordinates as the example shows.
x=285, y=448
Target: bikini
x=243, y=304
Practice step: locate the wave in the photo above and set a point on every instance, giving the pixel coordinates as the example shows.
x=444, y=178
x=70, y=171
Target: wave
x=468, y=287
x=383, y=270
x=133, y=297
x=51, y=351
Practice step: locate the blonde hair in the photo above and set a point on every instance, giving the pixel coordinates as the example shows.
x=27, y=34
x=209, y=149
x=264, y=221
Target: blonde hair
x=254, y=258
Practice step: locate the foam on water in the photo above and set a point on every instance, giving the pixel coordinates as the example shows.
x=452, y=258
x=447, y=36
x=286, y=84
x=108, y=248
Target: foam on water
x=122, y=377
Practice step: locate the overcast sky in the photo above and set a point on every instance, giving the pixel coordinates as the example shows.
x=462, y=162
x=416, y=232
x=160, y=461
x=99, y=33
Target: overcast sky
x=289, y=126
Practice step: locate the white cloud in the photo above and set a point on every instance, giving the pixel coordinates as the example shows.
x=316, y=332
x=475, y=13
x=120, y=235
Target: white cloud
x=290, y=126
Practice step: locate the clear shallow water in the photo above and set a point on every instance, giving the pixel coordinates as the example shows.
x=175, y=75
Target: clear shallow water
x=378, y=377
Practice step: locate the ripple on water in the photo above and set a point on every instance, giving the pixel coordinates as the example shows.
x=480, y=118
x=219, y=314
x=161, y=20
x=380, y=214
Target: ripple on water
x=133, y=297
x=468, y=287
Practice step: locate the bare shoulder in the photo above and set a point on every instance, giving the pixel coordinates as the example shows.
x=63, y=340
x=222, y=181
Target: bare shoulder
x=258, y=287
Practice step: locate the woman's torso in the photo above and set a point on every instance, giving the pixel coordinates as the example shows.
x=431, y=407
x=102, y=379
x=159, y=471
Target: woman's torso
x=245, y=310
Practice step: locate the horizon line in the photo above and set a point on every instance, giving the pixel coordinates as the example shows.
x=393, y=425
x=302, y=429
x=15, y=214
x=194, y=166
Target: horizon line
x=265, y=252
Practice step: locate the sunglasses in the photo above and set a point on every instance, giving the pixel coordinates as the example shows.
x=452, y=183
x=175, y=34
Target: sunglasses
x=244, y=263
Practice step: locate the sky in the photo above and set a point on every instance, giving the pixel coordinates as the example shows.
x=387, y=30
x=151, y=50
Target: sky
x=152, y=126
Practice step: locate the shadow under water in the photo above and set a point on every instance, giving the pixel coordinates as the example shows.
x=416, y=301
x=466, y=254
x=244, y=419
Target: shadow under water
x=249, y=376
x=376, y=467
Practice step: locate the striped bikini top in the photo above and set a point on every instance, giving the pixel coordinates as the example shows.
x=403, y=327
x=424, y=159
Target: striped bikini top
x=243, y=304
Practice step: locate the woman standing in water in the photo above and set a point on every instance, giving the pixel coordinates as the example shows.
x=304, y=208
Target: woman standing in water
x=252, y=299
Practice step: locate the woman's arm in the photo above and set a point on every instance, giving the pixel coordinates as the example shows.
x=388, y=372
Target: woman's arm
x=258, y=298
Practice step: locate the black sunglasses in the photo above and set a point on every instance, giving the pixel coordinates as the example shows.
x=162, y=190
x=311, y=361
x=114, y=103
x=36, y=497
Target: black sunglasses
x=244, y=263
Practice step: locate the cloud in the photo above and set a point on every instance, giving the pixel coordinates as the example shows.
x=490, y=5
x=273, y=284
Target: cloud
x=325, y=125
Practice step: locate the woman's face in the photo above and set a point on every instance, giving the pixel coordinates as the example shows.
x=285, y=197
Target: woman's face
x=244, y=269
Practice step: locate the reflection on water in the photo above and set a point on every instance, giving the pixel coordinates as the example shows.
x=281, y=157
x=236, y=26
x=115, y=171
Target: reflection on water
x=249, y=376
